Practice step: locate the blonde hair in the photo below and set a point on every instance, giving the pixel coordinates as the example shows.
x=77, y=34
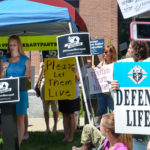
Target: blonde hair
x=112, y=50
x=109, y=125
x=19, y=44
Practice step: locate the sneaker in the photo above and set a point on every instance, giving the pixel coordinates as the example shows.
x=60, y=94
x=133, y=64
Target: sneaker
x=26, y=136
x=47, y=131
x=54, y=131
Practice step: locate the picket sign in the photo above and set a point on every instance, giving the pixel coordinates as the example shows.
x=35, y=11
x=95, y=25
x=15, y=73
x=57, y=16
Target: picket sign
x=100, y=78
x=132, y=99
x=130, y=8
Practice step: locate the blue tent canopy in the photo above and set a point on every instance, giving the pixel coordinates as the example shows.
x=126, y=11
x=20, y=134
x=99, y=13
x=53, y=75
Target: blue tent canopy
x=24, y=17
x=14, y=12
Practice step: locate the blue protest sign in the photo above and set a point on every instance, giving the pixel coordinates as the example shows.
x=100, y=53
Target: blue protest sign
x=97, y=46
x=132, y=99
x=133, y=74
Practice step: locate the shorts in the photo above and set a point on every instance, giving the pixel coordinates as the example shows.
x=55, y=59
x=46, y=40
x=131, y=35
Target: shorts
x=53, y=104
x=47, y=103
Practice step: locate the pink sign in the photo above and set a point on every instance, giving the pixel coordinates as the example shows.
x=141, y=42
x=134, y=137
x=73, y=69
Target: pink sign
x=99, y=79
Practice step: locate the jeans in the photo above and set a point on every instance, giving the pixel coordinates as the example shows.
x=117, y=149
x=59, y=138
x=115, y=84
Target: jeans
x=104, y=101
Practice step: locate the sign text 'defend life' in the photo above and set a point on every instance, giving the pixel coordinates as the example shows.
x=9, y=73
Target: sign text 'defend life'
x=132, y=99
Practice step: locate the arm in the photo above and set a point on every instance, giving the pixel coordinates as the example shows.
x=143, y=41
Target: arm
x=148, y=145
x=100, y=64
x=28, y=70
x=77, y=74
x=3, y=68
x=41, y=70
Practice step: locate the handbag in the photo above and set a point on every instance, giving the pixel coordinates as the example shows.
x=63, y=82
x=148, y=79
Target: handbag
x=37, y=88
x=38, y=84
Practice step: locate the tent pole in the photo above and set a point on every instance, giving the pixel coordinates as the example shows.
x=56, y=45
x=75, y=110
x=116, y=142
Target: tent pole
x=81, y=80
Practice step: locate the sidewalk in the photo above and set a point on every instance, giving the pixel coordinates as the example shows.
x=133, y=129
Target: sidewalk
x=36, y=118
x=38, y=124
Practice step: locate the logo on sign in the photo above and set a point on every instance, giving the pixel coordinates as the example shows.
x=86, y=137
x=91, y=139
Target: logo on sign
x=137, y=74
x=73, y=41
x=4, y=87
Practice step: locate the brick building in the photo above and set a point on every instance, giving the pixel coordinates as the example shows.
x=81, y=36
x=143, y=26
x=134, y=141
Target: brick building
x=101, y=18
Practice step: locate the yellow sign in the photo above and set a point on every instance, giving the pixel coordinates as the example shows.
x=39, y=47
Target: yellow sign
x=59, y=78
x=33, y=43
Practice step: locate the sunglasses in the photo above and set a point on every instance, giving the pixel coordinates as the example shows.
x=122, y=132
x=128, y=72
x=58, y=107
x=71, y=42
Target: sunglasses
x=106, y=52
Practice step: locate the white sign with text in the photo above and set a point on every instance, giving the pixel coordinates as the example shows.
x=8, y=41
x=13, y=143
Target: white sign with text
x=132, y=99
x=133, y=105
x=130, y=8
x=99, y=78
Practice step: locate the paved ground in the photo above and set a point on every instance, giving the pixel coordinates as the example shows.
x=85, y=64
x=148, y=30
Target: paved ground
x=35, y=114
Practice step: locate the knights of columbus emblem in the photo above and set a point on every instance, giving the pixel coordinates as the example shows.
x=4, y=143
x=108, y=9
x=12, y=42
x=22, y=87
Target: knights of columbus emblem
x=137, y=74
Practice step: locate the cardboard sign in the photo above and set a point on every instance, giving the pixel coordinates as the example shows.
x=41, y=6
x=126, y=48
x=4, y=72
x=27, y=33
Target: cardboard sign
x=132, y=99
x=59, y=78
x=99, y=79
x=9, y=90
x=75, y=44
x=97, y=46
x=33, y=43
x=130, y=8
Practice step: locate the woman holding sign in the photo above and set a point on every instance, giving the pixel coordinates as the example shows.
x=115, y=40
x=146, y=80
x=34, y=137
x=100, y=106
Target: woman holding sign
x=104, y=99
x=139, y=51
x=68, y=107
x=16, y=64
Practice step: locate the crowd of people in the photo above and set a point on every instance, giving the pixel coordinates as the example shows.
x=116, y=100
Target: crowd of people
x=16, y=64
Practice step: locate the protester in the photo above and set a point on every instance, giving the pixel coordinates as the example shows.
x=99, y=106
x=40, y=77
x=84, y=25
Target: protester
x=91, y=98
x=47, y=103
x=68, y=107
x=92, y=136
x=16, y=64
x=104, y=99
x=139, y=51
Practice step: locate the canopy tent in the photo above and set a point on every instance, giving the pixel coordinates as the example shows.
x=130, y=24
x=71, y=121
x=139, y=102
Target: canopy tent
x=32, y=18
x=72, y=11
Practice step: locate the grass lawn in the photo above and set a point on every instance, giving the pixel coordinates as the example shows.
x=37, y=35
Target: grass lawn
x=41, y=141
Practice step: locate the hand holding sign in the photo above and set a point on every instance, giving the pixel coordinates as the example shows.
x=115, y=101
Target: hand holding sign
x=114, y=85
